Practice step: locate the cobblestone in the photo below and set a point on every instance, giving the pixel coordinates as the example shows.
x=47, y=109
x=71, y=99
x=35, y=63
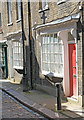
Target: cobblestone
x=13, y=109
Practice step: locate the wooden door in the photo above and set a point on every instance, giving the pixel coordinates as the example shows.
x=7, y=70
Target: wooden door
x=72, y=70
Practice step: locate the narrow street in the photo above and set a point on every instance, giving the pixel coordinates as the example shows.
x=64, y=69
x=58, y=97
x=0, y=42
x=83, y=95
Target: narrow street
x=13, y=109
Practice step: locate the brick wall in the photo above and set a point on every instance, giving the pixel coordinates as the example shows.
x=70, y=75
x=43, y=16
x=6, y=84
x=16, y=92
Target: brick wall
x=55, y=12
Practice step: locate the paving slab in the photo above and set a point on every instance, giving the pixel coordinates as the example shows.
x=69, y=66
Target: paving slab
x=39, y=101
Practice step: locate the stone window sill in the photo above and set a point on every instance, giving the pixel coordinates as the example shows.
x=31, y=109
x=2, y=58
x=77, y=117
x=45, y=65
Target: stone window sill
x=61, y=1
x=18, y=20
x=44, y=9
x=9, y=24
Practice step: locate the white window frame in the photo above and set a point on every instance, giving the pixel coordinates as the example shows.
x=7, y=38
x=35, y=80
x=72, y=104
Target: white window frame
x=17, y=51
x=54, y=63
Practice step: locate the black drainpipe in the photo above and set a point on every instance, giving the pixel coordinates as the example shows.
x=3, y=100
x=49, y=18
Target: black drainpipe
x=24, y=80
x=30, y=42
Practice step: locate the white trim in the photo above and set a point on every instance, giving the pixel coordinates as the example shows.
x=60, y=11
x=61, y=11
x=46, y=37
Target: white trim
x=73, y=18
x=61, y=1
x=18, y=20
x=3, y=41
x=18, y=67
x=52, y=74
x=12, y=33
x=9, y=24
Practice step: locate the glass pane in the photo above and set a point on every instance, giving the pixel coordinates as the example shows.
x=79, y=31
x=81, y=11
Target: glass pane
x=52, y=67
x=56, y=47
x=48, y=67
x=43, y=40
x=48, y=48
x=59, y=40
x=43, y=57
x=61, y=68
x=56, y=57
x=48, y=58
x=60, y=47
x=52, y=58
x=51, y=38
x=60, y=58
x=43, y=66
x=48, y=39
x=56, y=68
x=19, y=50
x=45, y=48
x=51, y=48
x=55, y=38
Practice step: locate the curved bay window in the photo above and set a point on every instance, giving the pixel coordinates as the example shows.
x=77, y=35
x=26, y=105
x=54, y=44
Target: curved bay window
x=52, y=55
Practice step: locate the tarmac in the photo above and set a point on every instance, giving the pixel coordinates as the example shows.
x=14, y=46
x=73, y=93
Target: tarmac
x=42, y=102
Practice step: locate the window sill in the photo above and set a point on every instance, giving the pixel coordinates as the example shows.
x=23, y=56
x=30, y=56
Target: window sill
x=17, y=67
x=18, y=20
x=61, y=2
x=9, y=24
x=43, y=9
x=52, y=74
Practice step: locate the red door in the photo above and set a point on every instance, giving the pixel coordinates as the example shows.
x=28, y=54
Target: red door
x=72, y=70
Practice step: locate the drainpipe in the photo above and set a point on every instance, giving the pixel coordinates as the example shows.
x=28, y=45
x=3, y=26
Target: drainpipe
x=24, y=80
x=30, y=42
x=82, y=49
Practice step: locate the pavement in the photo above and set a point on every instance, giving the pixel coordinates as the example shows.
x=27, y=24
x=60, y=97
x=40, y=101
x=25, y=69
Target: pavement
x=41, y=102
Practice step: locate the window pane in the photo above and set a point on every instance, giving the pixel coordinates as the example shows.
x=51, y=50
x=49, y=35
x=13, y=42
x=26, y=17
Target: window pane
x=45, y=48
x=48, y=58
x=52, y=58
x=48, y=67
x=43, y=39
x=52, y=67
x=59, y=40
x=56, y=47
x=51, y=38
x=61, y=68
x=56, y=57
x=60, y=47
x=55, y=38
x=19, y=10
x=60, y=58
x=51, y=48
x=43, y=57
x=56, y=68
x=48, y=48
x=9, y=11
x=48, y=39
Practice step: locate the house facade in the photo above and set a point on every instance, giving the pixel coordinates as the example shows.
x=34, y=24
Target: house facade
x=12, y=32
x=57, y=29
x=3, y=51
x=53, y=52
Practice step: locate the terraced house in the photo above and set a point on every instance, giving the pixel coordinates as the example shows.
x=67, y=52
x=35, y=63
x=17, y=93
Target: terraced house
x=54, y=45
x=3, y=50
